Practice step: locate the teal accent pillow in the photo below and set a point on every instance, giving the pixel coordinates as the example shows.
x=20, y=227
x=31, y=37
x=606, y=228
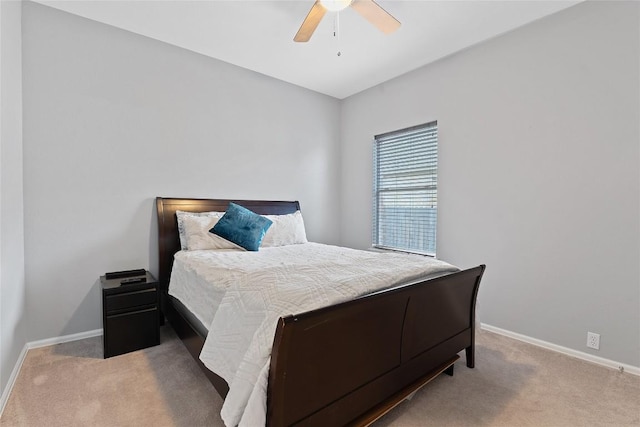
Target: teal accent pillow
x=241, y=226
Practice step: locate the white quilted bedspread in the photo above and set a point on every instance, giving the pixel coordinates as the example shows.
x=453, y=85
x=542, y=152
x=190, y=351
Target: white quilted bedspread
x=254, y=289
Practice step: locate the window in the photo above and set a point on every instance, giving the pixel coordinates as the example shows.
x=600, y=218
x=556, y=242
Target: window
x=405, y=189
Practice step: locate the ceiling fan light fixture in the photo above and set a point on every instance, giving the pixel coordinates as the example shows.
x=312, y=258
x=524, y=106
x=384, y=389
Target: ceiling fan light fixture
x=368, y=9
x=335, y=5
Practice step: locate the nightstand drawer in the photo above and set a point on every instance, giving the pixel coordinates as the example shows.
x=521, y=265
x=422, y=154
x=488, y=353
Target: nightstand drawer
x=131, y=331
x=131, y=299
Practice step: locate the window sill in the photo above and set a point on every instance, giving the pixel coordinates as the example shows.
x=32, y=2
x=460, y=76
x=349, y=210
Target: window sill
x=383, y=249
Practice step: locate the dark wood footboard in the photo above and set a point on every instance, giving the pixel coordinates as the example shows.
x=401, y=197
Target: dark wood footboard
x=352, y=362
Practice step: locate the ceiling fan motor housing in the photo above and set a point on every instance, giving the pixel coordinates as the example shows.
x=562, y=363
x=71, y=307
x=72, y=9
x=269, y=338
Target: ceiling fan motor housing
x=335, y=5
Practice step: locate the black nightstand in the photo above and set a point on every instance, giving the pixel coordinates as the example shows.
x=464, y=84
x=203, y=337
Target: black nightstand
x=130, y=314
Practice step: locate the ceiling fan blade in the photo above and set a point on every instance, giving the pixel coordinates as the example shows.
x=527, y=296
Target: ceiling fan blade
x=310, y=23
x=372, y=12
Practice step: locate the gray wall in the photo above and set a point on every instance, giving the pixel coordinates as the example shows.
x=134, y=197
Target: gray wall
x=113, y=119
x=13, y=333
x=539, y=172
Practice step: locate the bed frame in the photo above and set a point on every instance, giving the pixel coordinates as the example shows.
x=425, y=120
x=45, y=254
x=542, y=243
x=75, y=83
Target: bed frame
x=350, y=363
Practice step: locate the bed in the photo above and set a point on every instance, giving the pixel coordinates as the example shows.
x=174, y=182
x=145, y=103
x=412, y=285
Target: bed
x=411, y=333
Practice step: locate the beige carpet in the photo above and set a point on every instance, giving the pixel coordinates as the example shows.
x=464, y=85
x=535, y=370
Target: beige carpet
x=513, y=384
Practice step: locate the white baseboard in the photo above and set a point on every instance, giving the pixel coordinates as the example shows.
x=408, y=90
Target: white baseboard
x=634, y=370
x=66, y=338
x=12, y=379
x=37, y=344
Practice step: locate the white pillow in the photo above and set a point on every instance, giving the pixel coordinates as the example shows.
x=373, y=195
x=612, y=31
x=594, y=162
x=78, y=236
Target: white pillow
x=285, y=230
x=180, y=215
x=196, y=231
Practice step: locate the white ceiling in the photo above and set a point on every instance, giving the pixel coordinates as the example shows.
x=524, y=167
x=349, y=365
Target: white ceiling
x=258, y=35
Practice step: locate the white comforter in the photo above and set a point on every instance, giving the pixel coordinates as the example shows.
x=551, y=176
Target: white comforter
x=254, y=289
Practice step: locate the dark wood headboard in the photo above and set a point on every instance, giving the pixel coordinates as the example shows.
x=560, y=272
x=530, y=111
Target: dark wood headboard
x=168, y=239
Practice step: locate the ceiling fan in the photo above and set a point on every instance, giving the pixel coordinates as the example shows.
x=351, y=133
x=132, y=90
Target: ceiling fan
x=369, y=9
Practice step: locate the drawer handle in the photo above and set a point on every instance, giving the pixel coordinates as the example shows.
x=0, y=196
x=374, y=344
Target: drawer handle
x=129, y=313
x=143, y=291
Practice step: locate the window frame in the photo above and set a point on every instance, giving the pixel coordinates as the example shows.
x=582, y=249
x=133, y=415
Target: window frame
x=431, y=190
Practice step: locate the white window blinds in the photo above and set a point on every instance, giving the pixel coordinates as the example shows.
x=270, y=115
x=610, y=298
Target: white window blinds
x=405, y=187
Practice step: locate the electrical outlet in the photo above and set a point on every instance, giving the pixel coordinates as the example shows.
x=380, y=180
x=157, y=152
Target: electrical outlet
x=593, y=340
